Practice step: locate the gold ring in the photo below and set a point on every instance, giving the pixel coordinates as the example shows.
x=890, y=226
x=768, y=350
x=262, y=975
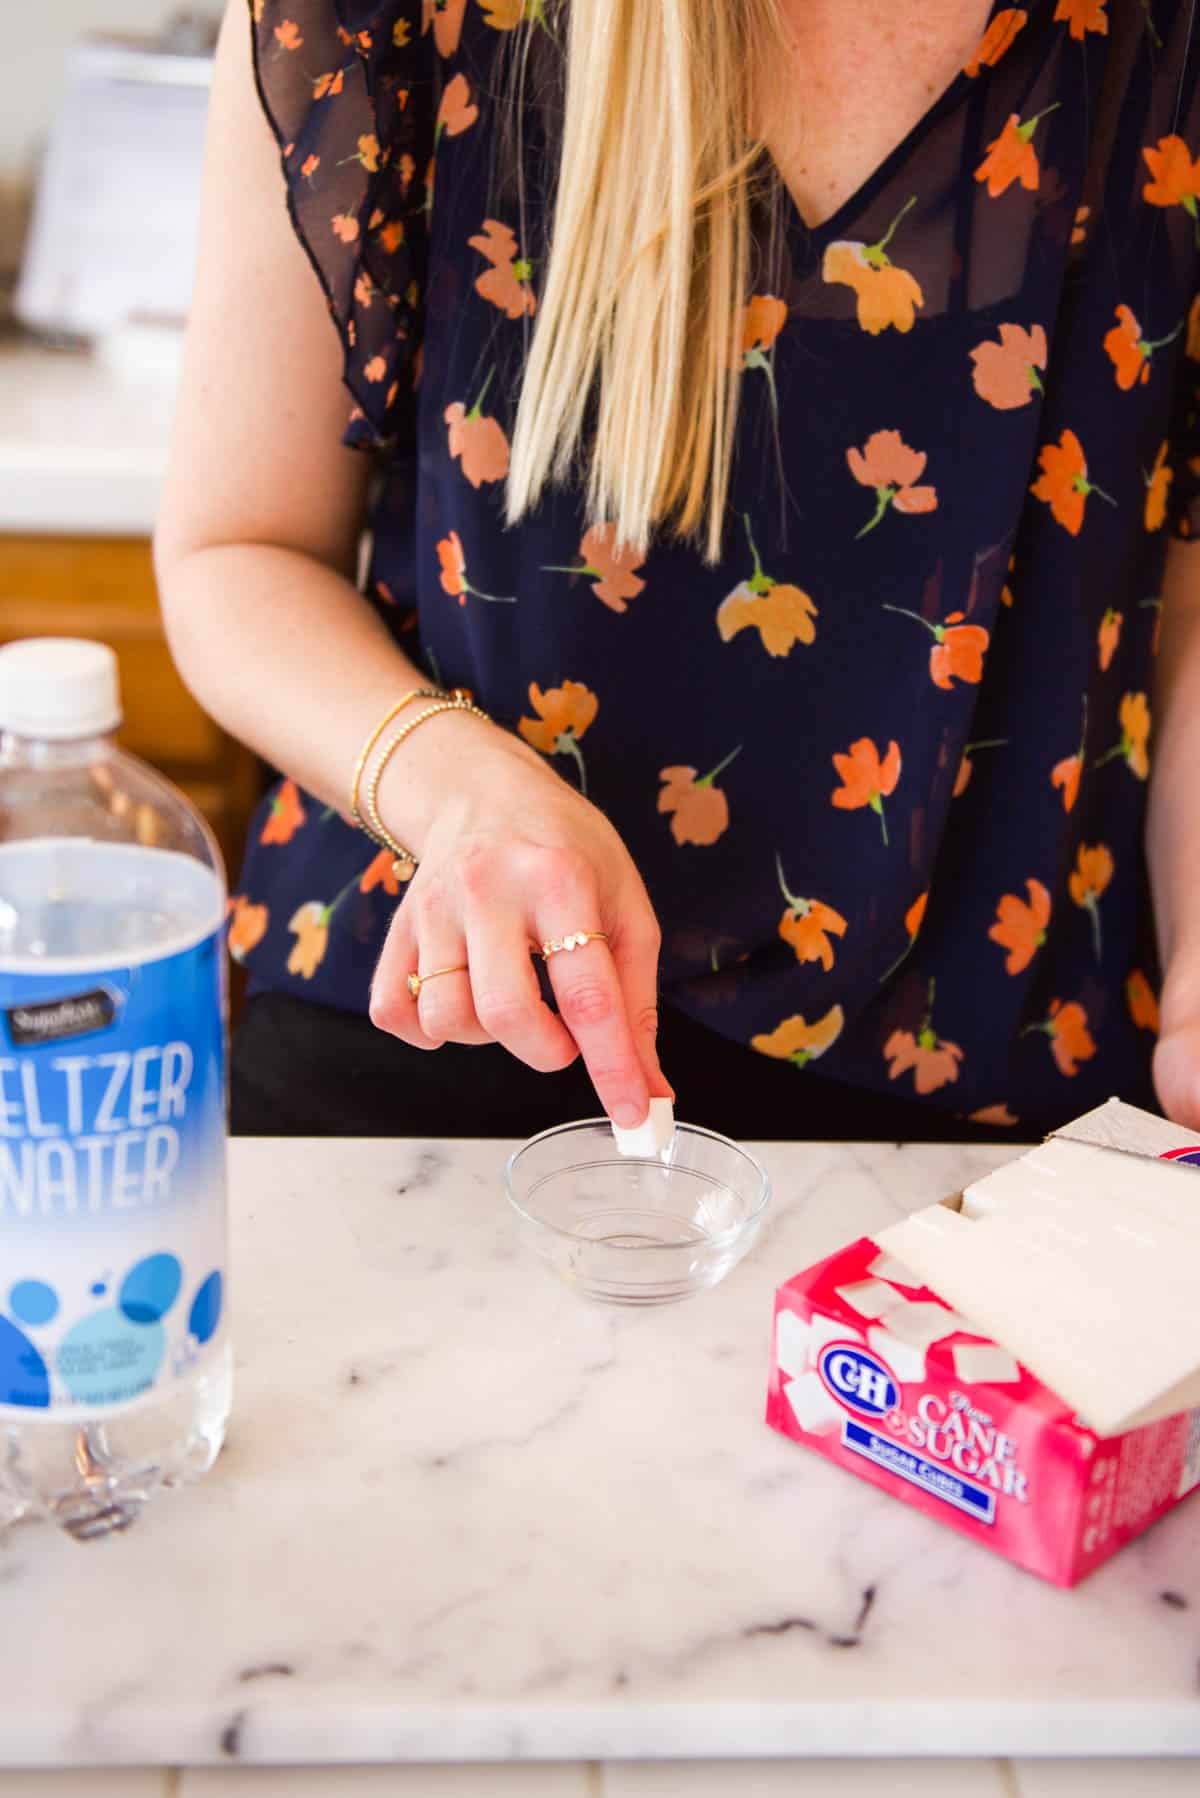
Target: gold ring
x=576, y=940
x=417, y=981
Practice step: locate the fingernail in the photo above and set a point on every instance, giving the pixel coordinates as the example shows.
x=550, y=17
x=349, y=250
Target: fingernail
x=627, y=1116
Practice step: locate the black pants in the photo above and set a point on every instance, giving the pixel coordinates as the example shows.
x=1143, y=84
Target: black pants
x=305, y=1070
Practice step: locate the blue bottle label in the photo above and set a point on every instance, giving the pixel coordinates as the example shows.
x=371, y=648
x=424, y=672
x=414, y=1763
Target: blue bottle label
x=112, y=1181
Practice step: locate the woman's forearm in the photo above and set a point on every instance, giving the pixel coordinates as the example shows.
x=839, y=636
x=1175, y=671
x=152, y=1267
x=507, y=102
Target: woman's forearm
x=291, y=659
x=1173, y=822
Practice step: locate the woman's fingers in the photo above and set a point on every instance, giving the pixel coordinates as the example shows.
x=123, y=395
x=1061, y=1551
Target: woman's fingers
x=635, y=946
x=592, y=1006
x=435, y=1016
x=508, y=1000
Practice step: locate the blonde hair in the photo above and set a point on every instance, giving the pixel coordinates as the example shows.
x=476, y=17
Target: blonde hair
x=633, y=373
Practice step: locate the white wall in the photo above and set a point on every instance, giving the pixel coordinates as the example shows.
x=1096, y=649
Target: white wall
x=34, y=57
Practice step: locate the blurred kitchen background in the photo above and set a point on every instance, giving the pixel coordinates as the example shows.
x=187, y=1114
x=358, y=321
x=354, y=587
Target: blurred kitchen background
x=101, y=136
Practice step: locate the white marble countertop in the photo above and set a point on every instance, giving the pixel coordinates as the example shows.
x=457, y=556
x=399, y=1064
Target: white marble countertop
x=83, y=436
x=464, y=1515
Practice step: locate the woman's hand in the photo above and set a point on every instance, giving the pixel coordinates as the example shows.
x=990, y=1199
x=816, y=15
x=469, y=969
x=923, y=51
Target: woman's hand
x=512, y=857
x=1177, y=1055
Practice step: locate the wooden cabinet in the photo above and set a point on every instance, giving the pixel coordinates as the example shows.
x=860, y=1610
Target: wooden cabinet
x=103, y=588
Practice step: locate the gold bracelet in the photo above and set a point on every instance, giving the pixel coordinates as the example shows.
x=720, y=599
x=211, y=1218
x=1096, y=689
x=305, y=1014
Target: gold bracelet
x=374, y=825
x=368, y=746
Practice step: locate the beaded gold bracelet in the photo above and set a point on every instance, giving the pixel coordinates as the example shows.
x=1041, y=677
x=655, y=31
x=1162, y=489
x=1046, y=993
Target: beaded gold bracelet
x=458, y=701
x=368, y=746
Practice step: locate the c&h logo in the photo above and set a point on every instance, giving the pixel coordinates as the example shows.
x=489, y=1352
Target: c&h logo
x=858, y=1379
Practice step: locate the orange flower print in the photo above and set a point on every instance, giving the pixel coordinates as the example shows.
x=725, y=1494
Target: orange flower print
x=1006, y=373
x=1133, y=714
x=1070, y=1039
x=391, y=235
x=309, y=167
x=1090, y=876
x=892, y=468
x=932, y=1060
x=386, y=872
x=867, y=780
x=326, y=86
x=401, y=32
x=914, y=917
x=611, y=567
x=247, y=926
x=1006, y=592
x=1080, y=224
x=762, y=320
x=996, y=39
x=781, y=613
x=966, y=767
x=457, y=111
x=996, y=1115
x=1083, y=16
x=446, y=17
x=1174, y=177
x=1158, y=482
x=1130, y=352
x=506, y=15
x=701, y=810
x=886, y=295
x=454, y=574
x=287, y=815
x=1143, y=1006
x=367, y=153
x=478, y=442
x=1066, y=774
x=1021, y=926
x=310, y=927
x=798, y=1041
x=958, y=648
x=375, y=370
x=1155, y=606
x=507, y=283
x=1063, y=482
x=287, y=35
x=808, y=924
x=1192, y=346
x=564, y=714
x=1012, y=157
x=1108, y=636
x=344, y=226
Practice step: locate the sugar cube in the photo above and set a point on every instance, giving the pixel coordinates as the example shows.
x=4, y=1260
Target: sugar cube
x=652, y=1136
x=906, y=1361
x=887, y=1267
x=921, y=1322
x=975, y=1362
x=813, y=1407
x=870, y=1298
x=791, y=1343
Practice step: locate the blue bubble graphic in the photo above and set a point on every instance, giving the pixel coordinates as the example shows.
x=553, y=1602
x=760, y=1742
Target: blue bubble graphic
x=98, y=1289
x=33, y=1301
x=150, y=1288
x=205, y=1313
x=106, y=1359
x=23, y=1376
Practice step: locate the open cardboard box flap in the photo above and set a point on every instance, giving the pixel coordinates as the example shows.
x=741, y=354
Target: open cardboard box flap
x=1087, y=1269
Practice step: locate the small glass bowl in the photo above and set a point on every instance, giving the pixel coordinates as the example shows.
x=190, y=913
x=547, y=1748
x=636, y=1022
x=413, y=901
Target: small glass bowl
x=633, y=1230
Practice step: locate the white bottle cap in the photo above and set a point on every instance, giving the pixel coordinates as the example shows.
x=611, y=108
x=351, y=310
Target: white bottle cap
x=58, y=688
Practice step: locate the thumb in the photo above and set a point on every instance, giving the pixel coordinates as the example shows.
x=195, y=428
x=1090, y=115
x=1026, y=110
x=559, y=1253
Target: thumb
x=1176, y=1069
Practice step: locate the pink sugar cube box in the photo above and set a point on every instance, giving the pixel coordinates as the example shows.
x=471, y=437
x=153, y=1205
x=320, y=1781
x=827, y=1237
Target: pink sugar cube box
x=1020, y=1361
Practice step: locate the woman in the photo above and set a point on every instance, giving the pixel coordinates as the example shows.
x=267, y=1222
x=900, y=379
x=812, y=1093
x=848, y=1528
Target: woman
x=779, y=419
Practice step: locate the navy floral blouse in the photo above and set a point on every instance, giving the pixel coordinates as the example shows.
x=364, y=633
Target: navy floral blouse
x=884, y=767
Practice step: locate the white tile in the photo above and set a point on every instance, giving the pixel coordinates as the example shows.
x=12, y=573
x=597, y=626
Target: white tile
x=521, y=1780
x=1108, y=1779
x=808, y=1779
x=112, y=1782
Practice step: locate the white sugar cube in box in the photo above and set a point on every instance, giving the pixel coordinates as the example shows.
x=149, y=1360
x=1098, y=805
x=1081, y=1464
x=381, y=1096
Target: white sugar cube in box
x=1021, y=1361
